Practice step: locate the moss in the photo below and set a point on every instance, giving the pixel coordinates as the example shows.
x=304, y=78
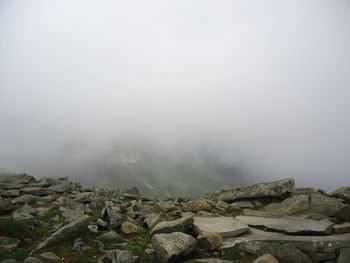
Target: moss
x=96, y=215
x=231, y=253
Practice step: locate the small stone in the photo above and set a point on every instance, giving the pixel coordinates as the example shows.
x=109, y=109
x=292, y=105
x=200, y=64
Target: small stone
x=197, y=205
x=267, y=258
x=130, y=228
x=209, y=241
x=101, y=223
x=49, y=256
x=8, y=243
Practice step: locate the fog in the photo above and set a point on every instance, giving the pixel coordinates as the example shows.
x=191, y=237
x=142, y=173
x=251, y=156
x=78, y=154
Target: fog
x=265, y=85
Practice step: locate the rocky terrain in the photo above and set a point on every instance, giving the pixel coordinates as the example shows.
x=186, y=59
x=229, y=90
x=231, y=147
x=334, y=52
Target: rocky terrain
x=55, y=220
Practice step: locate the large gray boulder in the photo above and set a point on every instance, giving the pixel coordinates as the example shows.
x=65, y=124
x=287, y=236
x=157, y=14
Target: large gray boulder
x=223, y=225
x=343, y=215
x=183, y=224
x=276, y=188
x=170, y=247
x=67, y=231
x=342, y=193
x=344, y=256
x=38, y=191
x=289, y=224
x=324, y=205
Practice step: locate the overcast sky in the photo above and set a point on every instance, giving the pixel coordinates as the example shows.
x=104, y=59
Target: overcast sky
x=268, y=81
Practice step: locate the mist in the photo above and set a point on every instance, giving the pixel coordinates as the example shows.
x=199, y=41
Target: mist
x=262, y=85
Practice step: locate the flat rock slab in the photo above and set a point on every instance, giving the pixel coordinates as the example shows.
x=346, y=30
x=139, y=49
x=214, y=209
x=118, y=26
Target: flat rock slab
x=297, y=248
x=289, y=224
x=223, y=225
x=276, y=188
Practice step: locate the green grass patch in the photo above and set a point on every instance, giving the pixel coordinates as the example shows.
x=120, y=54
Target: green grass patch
x=14, y=228
x=53, y=211
x=231, y=253
x=138, y=250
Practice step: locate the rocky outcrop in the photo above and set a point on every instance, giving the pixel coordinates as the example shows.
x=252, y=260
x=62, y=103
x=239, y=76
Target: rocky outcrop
x=170, y=247
x=224, y=226
x=66, y=232
x=276, y=188
x=69, y=220
x=289, y=224
x=180, y=225
x=342, y=193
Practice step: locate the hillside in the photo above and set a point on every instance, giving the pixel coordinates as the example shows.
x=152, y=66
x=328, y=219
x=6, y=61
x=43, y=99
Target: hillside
x=55, y=220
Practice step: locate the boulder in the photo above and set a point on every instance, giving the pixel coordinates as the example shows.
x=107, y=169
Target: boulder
x=165, y=206
x=289, y=206
x=50, y=256
x=114, y=217
x=342, y=193
x=10, y=193
x=342, y=228
x=80, y=246
x=324, y=205
x=276, y=188
x=289, y=224
x=283, y=253
x=130, y=228
x=209, y=241
x=266, y=258
x=38, y=191
x=224, y=226
x=62, y=187
x=24, y=199
x=8, y=243
x=344, y=255
x=66, y=232
x=170, y=247
x=152, y=219
x=197, y=205
x=343, y=215
x=16, y=178
x=32, y=260
x=102, y=223
x=108, y=236
x=25, y=212
x=183, y=224
x=117, y=256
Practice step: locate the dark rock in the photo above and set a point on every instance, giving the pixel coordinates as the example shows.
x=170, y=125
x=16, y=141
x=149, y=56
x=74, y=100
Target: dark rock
x=276, y=188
